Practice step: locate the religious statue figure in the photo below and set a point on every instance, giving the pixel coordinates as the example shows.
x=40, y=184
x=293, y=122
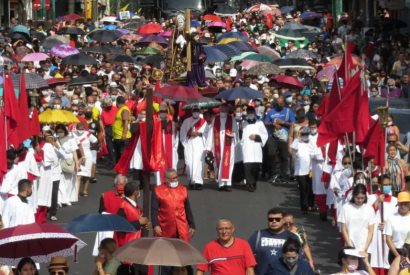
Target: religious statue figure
x=174, y=65
x=198, y=56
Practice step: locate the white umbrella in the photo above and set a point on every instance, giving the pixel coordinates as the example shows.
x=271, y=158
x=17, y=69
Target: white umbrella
x=109, y=19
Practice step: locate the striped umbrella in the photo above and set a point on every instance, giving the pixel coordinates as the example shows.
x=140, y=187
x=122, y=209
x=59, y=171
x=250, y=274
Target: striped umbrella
x=63, y=50
x=290, y=34
x=240, y=57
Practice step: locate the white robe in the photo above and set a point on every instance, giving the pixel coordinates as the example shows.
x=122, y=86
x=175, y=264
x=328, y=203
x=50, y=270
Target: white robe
x=31, y=166
x=86, y=139
x=10, y=183
x=375, y=248
x=318, y=186
x=16, y=212
x=67, y=190
x=252, y=150
x=194, y=149
x=175, y=143
x=210, y=147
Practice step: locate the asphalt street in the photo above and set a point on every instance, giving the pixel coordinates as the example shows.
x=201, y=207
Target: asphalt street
x=246, y=210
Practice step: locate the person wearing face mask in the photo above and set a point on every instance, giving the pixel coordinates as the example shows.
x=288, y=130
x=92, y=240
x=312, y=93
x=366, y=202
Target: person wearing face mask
x=120, y=132
x=95, y=129
x=381, y=200
x=72, y=127
x=392, y=91
x=391, y=127
x=397, y=168
x=110, y=201
x=108, y=115
x=130, y=210
x=16, y=210
x=254, y=137
x=193, y=137
x=290, y=263
x=358, y=219
x=106, y=248
x=349, y=261
x=222, y=139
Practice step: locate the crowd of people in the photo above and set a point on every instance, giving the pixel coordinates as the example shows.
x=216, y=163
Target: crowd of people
x=271, y=138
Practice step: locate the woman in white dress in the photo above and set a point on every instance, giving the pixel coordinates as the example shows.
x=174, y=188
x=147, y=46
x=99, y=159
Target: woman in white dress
x=68, y=192
x=87, y=140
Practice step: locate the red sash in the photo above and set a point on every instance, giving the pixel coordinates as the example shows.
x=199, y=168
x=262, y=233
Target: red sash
x=85, y=138
x=196, y=127
x=226, y=158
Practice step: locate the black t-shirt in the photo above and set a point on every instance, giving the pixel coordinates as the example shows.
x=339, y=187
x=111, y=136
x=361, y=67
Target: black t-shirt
x=94, y=128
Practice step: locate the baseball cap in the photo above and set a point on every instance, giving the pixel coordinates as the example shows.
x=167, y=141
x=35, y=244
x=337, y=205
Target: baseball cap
x=113, y=84
x=287, y=93
x=403, y=197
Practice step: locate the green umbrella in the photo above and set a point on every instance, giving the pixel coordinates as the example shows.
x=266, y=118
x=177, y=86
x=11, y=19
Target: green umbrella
x=148, y=51
x=21, y=28
x=290, y=34
x=258, y=57
x=297, y=43
x=206, y=104
x=242, y=56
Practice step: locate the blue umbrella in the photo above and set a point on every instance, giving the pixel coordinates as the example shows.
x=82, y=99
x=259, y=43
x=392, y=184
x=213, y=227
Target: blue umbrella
x=195, y=23
x=308, y=15
x=228, y=50
x=109, y=27
x=287, y=9
x=214, y=55
x=242, y=46
x=239, y=35
x=122, y=32
x=240, y=92
x=88, y=223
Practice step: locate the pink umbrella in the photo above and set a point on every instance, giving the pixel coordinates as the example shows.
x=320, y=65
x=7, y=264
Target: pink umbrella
x=63, y=50
x=165, y=33
x=275, y=12
x=71, y=17
x=247, y=64
x=217, y=24
x=132, y=37
x=35, y=57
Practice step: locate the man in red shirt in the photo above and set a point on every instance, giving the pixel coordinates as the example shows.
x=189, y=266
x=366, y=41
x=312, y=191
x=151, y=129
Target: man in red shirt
x=108, y=117
x=227, y=255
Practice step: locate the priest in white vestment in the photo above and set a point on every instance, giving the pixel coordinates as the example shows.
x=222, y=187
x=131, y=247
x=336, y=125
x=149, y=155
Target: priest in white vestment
x=193, y=134
x=17, y=210
x=254, y=137
x=222, y=139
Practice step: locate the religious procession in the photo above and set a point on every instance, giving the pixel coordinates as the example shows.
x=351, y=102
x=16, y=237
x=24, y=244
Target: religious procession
x=265, y=139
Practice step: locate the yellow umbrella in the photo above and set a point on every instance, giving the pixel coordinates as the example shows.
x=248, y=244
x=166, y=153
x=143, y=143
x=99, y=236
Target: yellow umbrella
x=229, y=40
x=57, y=116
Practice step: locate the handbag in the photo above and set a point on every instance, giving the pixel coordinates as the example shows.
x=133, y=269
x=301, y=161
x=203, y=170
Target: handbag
x=67, y=166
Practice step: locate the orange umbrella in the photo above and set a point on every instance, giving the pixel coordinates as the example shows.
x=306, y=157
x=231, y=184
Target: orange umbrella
x=150, y=28
x=212, y=17
x=338, y=60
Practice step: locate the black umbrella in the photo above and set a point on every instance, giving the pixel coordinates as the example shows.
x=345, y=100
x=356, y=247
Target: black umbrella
x=103, y=49
x=19, y=36
x=33, y=81
x=103, y=36
x=310, y=35
x=81, y=80
x=230, y=51
x=134, y=26
x=155, y=61
x=121, y=58
x=292, y=64
x=203, y=41
x=70, y=30
x=41, y=37
x=226, y=10
x=79, y=59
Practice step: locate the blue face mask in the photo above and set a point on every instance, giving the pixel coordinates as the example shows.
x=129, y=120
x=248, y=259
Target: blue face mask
x=286, y=54
x=288, y=99
x=306, y=102
x=386, y=190
x=391, y=88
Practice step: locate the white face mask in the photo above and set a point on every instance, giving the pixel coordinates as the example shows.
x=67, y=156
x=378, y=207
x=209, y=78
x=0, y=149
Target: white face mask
x=313, y=132
x=275, y=95
x=80, y=132
x=60, y=135
x=223, y=114
x=173, y=184
x=244, y=113
x=91, y=105
x=238, y=115
x=75, y=113
x=57, y=107
x=389, y=123
x=305, y=138
x=163, y=115
x=251, y=116
x=195, y=114
x=74, y=101
x=142, y=119
x=45, y=93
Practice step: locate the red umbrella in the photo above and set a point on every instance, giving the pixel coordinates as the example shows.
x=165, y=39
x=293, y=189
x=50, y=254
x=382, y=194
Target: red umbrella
x=212, y=17
x=54, y=82
x=289, y=82
x=179, y=93
x=150, y=28
x=71, y=17
x=40, y=242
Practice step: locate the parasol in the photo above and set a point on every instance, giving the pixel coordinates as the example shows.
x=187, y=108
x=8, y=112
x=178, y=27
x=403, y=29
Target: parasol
x=302, y=53
x=33, y=81
x=103, y=36
x=31, y=57
x=179, y=93
x=148, y=51
x=207, y=104
x=237, y=35
x=71, y=30
x=79, y=59
x=150, y=29
x=289, y=82
x=57, y=117
x=63, y=50
x=240, y=92
x=264, y=69
x=274, y=55
x=214, y=55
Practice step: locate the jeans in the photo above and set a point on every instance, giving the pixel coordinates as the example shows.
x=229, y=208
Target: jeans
x=276, y=146
x=305, y=192
x=54, y=198
x=110, y=145
x=119, y=147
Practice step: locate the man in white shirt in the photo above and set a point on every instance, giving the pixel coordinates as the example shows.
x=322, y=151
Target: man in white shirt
x=254, y=137
x=17, y=210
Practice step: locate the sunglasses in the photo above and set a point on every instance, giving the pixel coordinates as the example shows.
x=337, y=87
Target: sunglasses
x=274, y=219
x=57, y=273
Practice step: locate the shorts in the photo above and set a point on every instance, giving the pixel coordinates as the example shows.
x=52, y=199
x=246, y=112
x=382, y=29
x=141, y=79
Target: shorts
x=94, y=153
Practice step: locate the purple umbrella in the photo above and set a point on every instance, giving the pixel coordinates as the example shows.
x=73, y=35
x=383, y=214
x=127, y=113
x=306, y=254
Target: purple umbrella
x=309, y=15
x=122, y=32
x=217, y=24
x=144, y=42
x=63, y=50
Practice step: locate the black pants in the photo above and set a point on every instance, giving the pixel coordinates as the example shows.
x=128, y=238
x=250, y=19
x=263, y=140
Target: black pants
x=238, y=174
x=54, y=198
x=110, y=145
x=252, y=173
x=119, y=147
x=265, y=161
x=280, y=148
x=391, y=256
x=305, y=192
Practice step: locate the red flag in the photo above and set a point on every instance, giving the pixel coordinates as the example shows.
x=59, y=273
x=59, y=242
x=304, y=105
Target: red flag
x=375, y=145
x=345, y=67
x=12, y=112
x=362, y=122
x=23, y=106
x=341, y=119
x=269, y=21
x=3, y=148
x=352, y=46
x=228, y=24
x=322, y=110
x=35, y=123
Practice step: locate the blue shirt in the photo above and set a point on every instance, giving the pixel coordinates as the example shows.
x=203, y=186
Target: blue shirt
x=64, y=102
x=268, y=249
x=274, y=114
x=280, y=268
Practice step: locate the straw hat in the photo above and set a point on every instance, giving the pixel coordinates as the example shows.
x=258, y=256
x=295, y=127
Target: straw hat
x=58, y=262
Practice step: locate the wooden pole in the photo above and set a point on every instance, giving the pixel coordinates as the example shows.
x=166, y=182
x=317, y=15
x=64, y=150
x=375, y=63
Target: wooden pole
x=146, y=176
x=188, y=38
x=85, y=9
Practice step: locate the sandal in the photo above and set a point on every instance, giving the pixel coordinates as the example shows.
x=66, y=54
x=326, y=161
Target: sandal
x=85, y=194
x=53, y=218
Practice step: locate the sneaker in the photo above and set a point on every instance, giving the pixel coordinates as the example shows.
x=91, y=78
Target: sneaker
x=281, y=179
x=93, y=180
x=272, y=179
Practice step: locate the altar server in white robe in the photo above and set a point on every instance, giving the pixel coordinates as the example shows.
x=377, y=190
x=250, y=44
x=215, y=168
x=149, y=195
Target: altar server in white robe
x=382, y=199
x=170, y=142
x=222, y=139
x=10, y=180
x=193, y=136
x=17, y=210
x=254, y=137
